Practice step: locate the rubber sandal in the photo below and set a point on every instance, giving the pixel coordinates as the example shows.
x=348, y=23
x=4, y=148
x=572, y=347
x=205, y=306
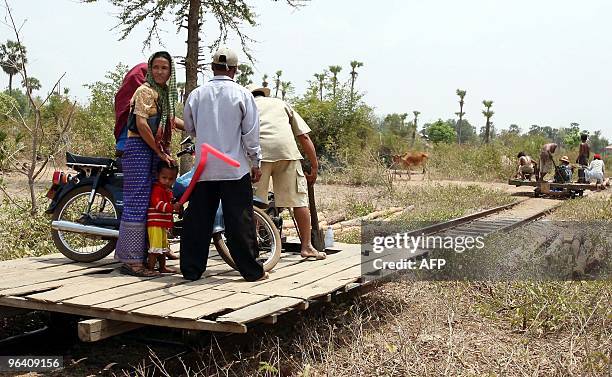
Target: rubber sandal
x=143, y=272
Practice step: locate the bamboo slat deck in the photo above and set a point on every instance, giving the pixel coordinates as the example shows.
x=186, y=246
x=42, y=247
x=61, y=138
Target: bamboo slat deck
x=220, y=301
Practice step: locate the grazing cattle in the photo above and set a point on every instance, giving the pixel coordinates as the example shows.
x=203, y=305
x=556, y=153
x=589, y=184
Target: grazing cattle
x=409, y=160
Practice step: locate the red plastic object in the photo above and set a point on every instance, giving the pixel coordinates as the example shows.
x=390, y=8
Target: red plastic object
x=206, y=149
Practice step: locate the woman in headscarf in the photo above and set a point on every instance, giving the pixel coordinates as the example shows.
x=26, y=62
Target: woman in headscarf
x=150, y=126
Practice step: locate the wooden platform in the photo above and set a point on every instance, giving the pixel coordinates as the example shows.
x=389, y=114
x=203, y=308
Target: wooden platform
x=552, y=185
x=220, y=301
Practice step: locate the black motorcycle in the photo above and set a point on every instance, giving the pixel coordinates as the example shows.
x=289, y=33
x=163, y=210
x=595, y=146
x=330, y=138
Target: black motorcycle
x=86, y=211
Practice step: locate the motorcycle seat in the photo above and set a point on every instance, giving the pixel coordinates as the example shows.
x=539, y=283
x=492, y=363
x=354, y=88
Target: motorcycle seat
x=73, y=159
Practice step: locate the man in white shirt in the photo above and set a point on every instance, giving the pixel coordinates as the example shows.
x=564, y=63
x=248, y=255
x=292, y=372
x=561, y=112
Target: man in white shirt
x=223, y=114
x=595, y=171
x=280, y=125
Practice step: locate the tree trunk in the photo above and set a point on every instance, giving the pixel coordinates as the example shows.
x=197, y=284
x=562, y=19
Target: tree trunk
x=352, y=85
x=321, y=90
x=487, y=130
x=32, y=169
x=460, y=123
x=191, y=66
x=10, y=83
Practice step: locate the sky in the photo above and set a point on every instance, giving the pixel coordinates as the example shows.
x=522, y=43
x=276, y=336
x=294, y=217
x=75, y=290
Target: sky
x=545, y=62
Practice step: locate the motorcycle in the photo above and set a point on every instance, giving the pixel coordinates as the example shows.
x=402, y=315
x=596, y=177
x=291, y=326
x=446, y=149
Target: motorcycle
x=86, y=211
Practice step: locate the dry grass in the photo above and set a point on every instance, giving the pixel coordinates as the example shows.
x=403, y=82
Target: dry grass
x=421, y=329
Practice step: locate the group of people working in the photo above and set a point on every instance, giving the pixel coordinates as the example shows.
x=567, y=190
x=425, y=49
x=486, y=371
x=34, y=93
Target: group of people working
x=245, y=124
x=593, y=171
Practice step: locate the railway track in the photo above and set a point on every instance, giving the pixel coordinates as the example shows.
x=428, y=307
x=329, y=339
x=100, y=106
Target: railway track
x=482, y=223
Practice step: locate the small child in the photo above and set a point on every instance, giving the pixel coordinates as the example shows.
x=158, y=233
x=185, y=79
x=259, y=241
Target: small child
x=159, y=218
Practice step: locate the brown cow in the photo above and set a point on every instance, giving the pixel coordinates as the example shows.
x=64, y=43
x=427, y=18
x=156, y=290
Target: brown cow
x=410, y=159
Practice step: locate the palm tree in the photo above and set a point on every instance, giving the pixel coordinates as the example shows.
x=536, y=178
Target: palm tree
x=12, y=59
x=354, y=64
x=277, y=82
x=31, y=85
x=285, y=87
x=461, y=94
x=244, y=74
x=334, y=69
x=403, y=118
x=321, y=79
x=488, y=114
x=264, y=81
x=416, y=117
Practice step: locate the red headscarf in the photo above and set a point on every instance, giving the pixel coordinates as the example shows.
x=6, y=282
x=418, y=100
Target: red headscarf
x=133, y=79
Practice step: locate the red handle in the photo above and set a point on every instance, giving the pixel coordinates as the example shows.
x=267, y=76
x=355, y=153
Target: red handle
x=203, y=157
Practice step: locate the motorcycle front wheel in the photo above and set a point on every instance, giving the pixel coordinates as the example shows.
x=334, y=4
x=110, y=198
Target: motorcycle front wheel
x=268, y=242
x=82, y=247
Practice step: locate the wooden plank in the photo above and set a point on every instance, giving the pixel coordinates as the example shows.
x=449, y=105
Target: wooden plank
x=23, y=278
x=167, y=307
x=44, y=286
x=92, y=330
x=202, y=325
x=149, y=298
x=259, y=310
x=233, y=301
x=305, y=277
x=93, y=283
x=294, y=269
x=91, y=299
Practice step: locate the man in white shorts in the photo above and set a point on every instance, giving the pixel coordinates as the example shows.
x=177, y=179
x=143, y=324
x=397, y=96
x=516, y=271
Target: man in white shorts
x=280, y=125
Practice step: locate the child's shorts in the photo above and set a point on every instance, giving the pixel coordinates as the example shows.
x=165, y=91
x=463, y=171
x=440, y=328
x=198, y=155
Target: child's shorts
x=158, y=240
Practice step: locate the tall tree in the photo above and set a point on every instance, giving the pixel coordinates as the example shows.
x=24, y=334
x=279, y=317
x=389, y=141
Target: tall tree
x=321, y=79
x=334, y=69
x=461, y=93
x=403, y=117
x=354, y=65
x=416, y=118
x=285, y=87
x=488, y=115
x=264, y=80
x=230, y=16
x=277, y=82
x=244, y=74
x=12, y=58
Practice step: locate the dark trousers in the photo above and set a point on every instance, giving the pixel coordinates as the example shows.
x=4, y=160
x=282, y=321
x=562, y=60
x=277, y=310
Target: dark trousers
x=237, y=201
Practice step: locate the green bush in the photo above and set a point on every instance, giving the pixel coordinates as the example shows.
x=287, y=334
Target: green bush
x=22, y=234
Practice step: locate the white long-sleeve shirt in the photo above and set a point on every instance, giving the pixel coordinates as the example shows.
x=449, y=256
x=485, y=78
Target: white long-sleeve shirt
x=596, y=166
x=224, y=115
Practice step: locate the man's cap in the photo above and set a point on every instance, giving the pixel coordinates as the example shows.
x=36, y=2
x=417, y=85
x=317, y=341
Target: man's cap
x=564, y=159
x=597, y=155
x=258, y=88
x=225, y=56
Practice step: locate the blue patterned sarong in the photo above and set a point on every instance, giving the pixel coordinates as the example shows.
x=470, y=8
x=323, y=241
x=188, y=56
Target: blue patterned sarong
x=139, y=163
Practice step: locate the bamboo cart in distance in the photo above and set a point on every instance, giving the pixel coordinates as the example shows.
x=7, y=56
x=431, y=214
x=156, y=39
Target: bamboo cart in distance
x=562, y=190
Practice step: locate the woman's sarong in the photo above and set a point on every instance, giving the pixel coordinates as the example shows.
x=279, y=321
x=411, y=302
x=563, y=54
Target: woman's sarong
x=139, y=164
